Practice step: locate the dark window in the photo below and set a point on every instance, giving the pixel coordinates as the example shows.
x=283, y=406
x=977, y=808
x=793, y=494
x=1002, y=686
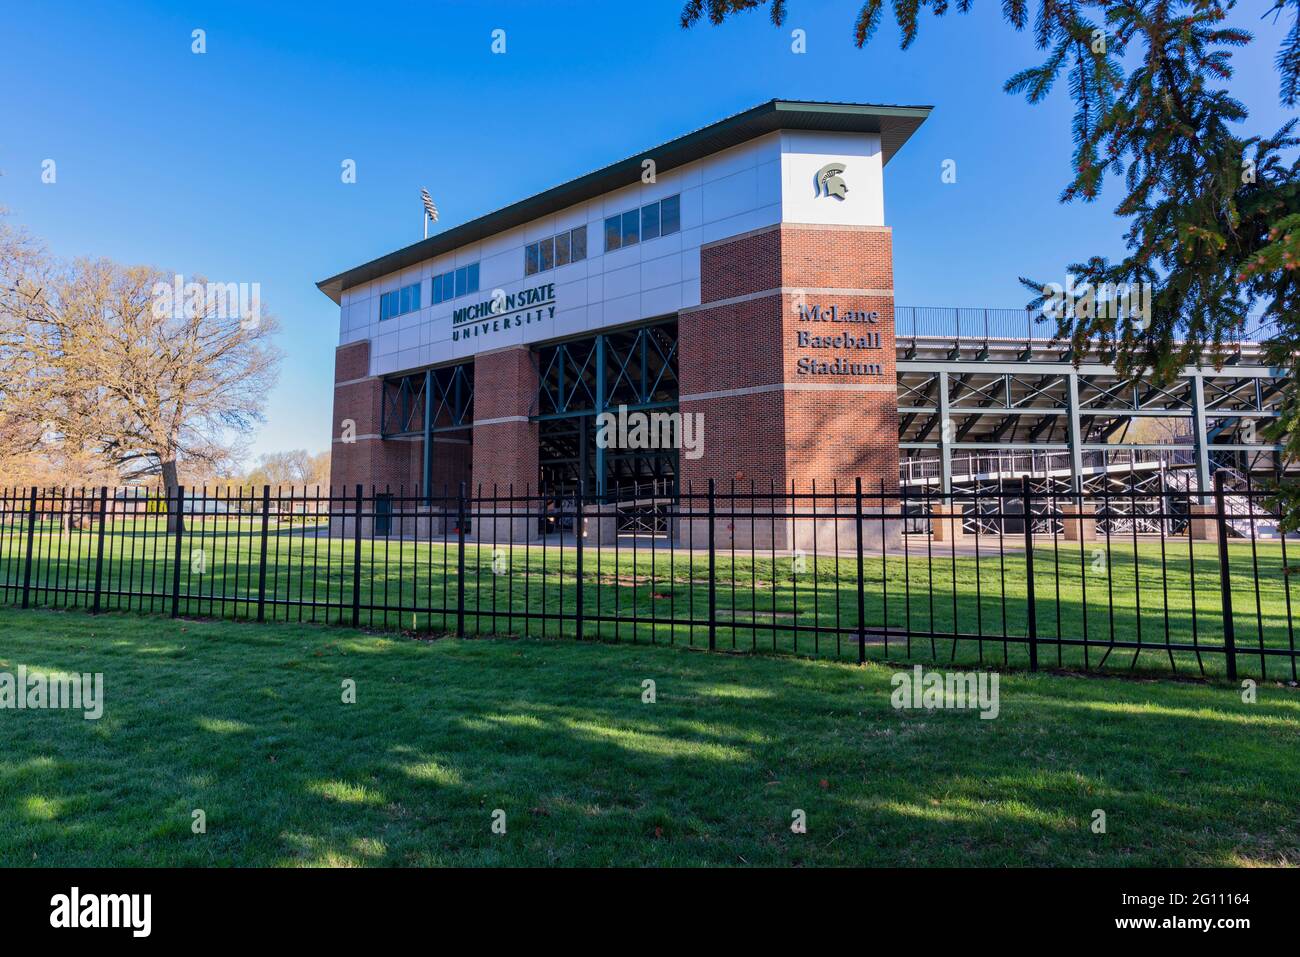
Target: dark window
x=631, y=227
x=462, y=285
x=650, y=221
x=530, y=259
x=473, y=279
x=546, y=254
x=578, y=243
x=613, y=233
x=670, y=214
x=562, y=249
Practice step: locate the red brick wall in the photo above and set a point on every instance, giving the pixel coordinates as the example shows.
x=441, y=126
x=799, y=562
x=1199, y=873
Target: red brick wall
x=392, y=464
x=830, y=432
x=505, y=452
x=823, y=428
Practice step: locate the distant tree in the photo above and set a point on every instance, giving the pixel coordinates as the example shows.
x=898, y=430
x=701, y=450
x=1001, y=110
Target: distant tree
x=297, y=467
x=1213, y=218
x=25, y=358
x=295, y=471
x=148, y=384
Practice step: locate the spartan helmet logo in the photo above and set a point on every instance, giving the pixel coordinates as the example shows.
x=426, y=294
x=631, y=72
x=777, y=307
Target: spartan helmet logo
x=830, y=183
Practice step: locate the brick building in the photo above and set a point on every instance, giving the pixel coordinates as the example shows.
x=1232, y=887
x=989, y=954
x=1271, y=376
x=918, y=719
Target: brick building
x=741, y=273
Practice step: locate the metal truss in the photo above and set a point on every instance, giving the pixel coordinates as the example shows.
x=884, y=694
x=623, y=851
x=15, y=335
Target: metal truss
x=427, y=402
x=978, y=396
x=579, y=379
x=636, y=368
x=443, y=397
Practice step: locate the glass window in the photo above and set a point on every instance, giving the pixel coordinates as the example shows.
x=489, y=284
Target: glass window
x=473, y=277
x=670, y=215
x=383, y=307
x=437, y=288
x=461, y=281
x=578, y=243
x=562, y=249
x=448, y=286
x=530, y=259
x=415, y=295
x=613, y=233
x=404, y=303
x=546, y=254
x=631, y=227
x=650, y=221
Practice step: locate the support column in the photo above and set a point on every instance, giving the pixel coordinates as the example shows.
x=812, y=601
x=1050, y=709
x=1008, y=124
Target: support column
x=1200, y=438
x=946, y=522
x=426, y=455
x=945, y=435
x=1075, y=434
x=600, y=407
x=505, y=441
x=1204, y=523
x=359, y=453
x=1079, y=523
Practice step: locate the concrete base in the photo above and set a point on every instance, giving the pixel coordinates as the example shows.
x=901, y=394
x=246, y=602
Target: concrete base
x=946, y=523
x=504, y=526
x=1204, y=526
x=417, y=526
x=823, y=535
x=1079, y=525
x=600, y=524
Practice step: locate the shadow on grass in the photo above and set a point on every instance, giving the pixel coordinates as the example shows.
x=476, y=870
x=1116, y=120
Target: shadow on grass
x=247, y=723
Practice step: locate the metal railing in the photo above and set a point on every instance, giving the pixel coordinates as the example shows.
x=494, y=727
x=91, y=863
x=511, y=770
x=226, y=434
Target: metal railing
x=978, y=324
x=816, y=571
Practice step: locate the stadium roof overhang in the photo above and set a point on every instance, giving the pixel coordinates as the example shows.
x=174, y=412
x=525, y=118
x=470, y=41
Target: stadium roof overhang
x=894, y=124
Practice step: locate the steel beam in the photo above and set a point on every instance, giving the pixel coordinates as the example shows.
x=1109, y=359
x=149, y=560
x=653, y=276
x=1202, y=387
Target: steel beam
x=426, y=464
x=945, y=436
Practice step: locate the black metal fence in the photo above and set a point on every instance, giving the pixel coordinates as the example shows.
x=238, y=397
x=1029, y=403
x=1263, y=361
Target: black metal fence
x=1008, y=576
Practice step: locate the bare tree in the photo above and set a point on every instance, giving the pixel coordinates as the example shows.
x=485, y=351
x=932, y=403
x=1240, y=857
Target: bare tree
x=25, y=353
x=149, y=379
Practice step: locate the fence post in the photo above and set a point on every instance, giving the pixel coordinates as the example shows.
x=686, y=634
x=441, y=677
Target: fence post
x=1031, y=610
x=99, y=550
x=1225, y=577
x=460, y=561
x=261, y=571
x=713, y=567
x=176, y=555
x=356, y=562
x=862, y=588
x=31, y=545
x=578, y=530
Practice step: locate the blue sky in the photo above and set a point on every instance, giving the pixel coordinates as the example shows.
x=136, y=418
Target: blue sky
x=227, y=164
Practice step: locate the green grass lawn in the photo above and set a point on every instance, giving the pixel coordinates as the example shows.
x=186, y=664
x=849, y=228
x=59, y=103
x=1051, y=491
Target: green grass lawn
x=246, y=722
x=1119, y=591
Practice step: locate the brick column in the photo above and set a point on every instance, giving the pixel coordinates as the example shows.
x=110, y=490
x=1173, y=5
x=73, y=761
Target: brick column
x=359, y=455
x=1078, y=522
x=785, y=397
x=1204, y=523
x=946, y=523
x=840, y=426
x=505, y=450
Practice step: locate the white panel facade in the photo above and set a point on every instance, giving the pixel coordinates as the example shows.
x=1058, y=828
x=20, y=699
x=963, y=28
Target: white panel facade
x=754, y=185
